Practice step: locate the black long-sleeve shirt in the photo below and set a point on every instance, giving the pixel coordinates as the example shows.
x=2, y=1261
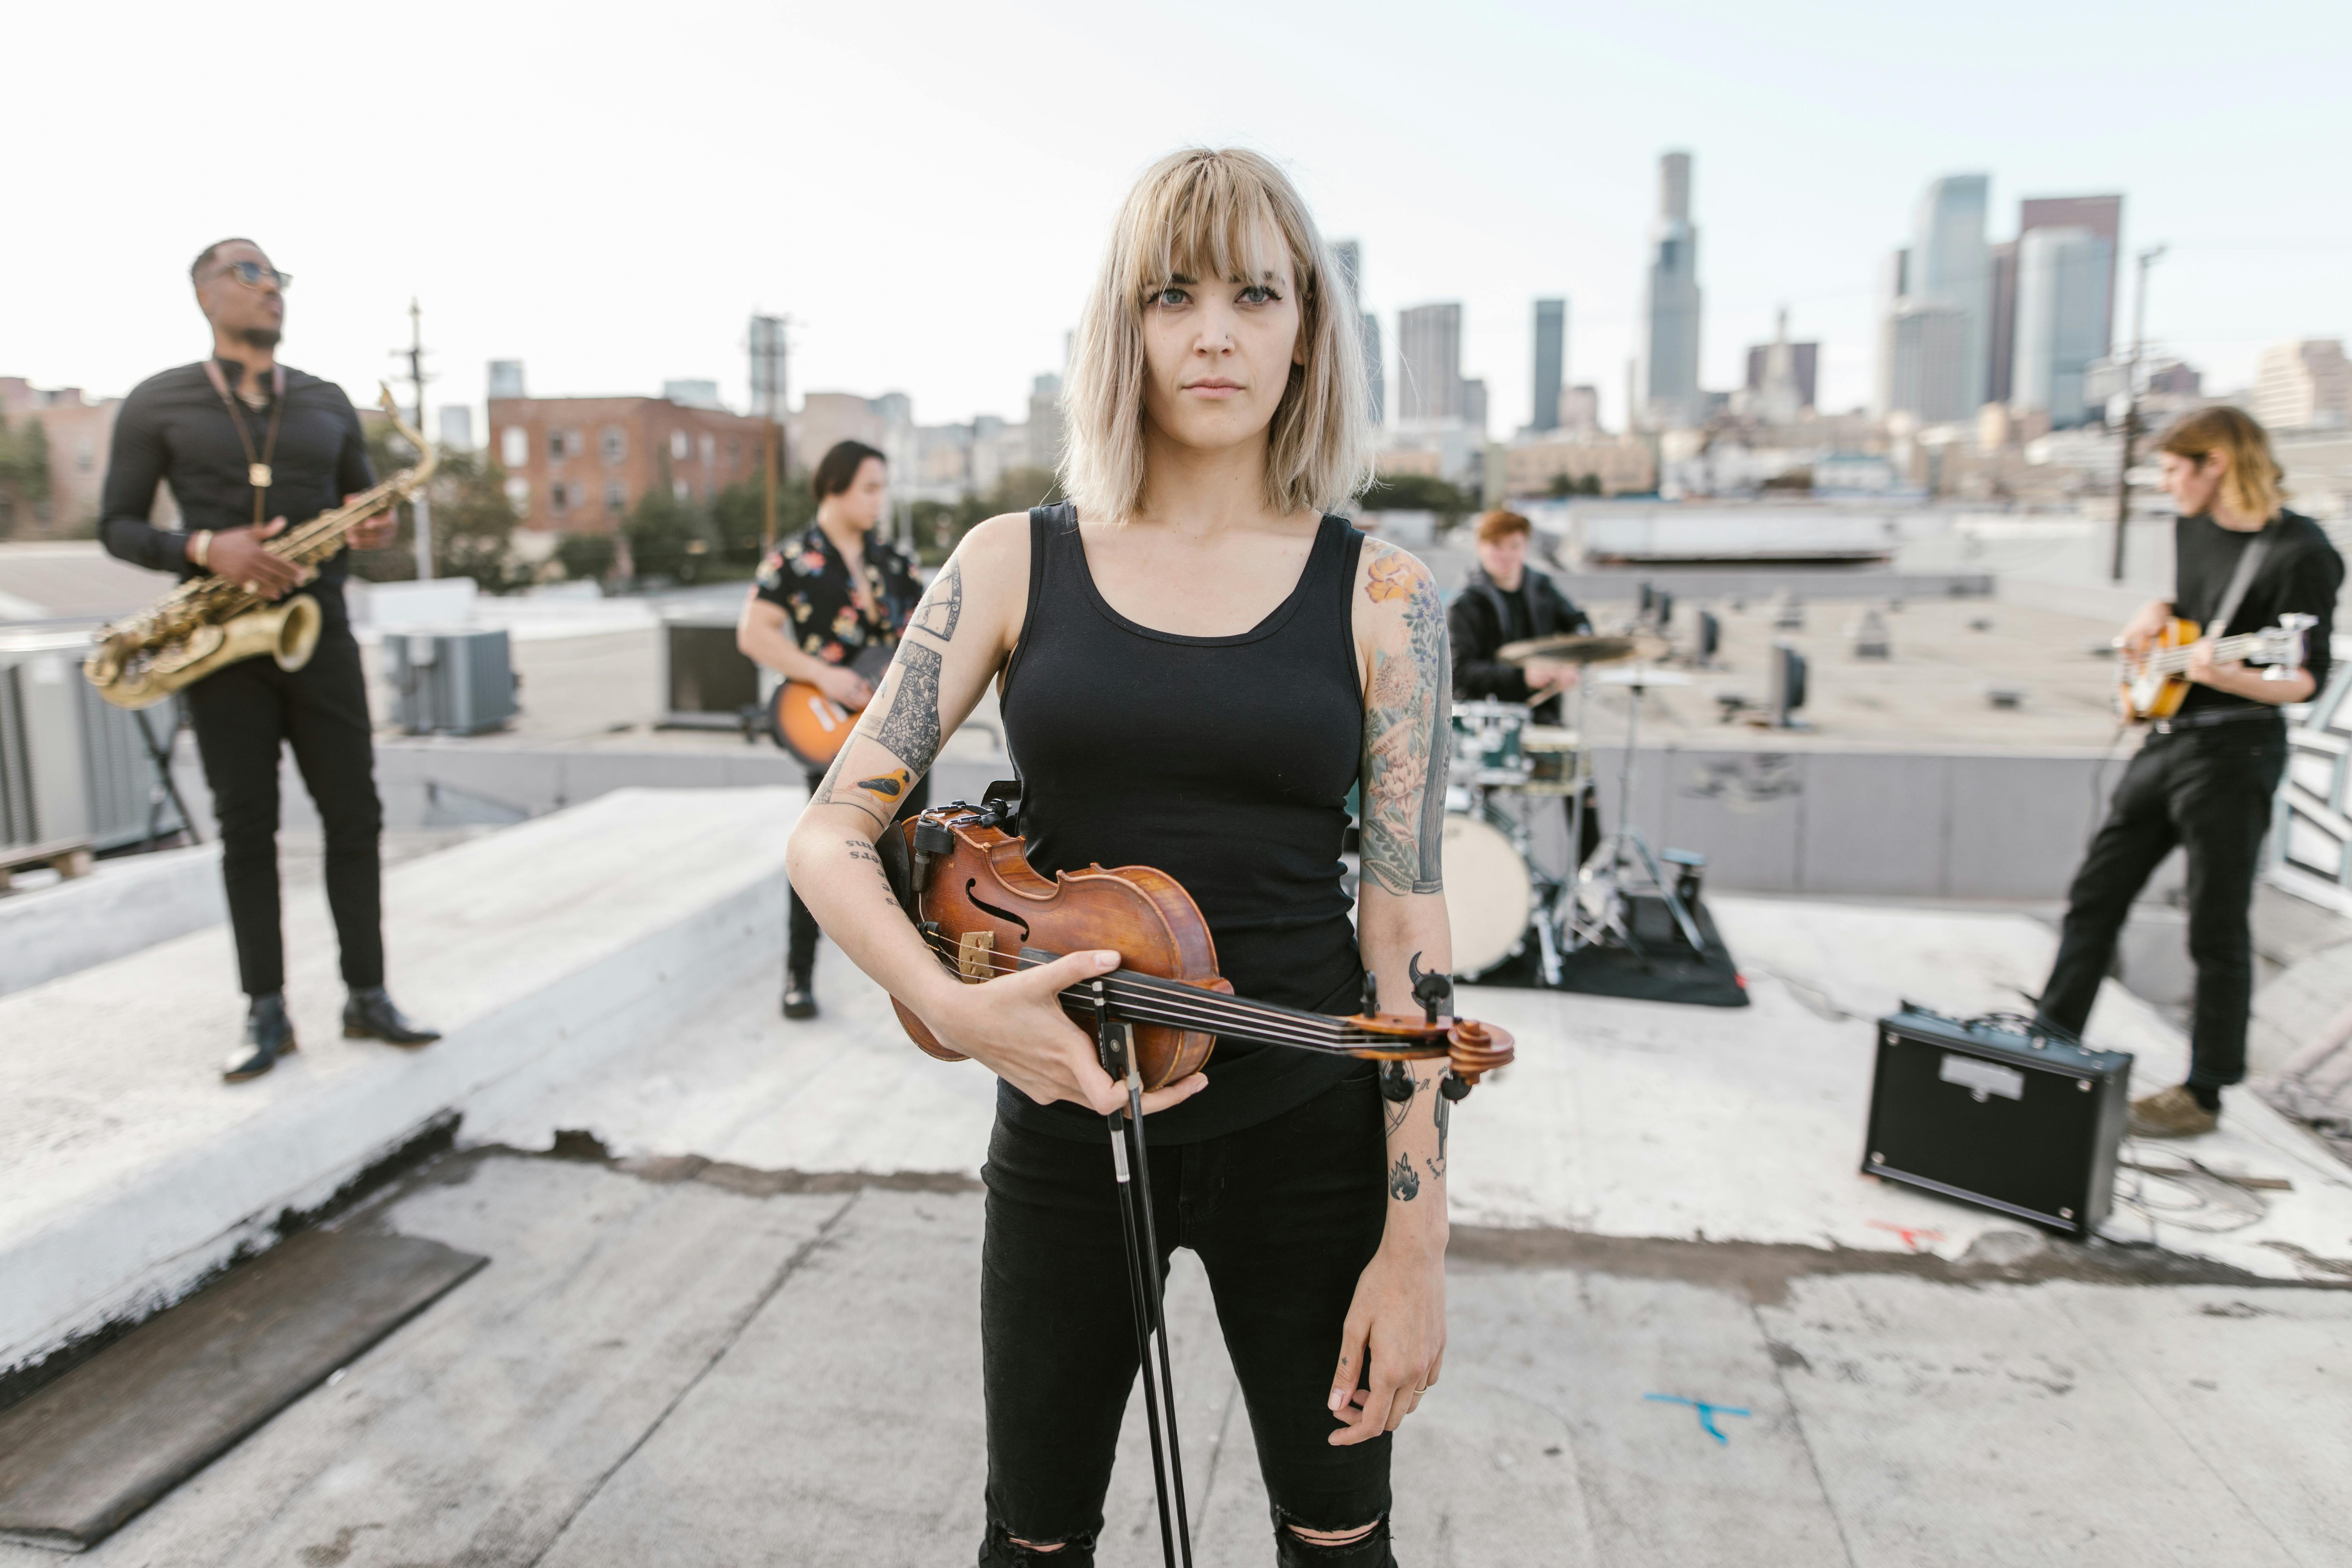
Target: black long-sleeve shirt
x=2300, y=574
x=1483, y=617
x=174, y=426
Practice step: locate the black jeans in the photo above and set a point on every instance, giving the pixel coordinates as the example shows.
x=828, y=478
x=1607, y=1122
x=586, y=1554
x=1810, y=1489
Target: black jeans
x=243, y=714
x=801, y=928
x=1284, y=1215
x=2209, y=791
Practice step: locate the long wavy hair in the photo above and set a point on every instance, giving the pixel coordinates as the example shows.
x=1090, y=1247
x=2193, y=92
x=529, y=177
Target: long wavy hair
x=1208, y=213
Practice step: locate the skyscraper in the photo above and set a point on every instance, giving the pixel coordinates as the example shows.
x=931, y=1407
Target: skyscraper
x=1551, y=359
x=2062, y=315
x=1429, y=362
x=1951, y=266
x=1351, y=257
x=2103, y=216
x=1670, y=303
x=1780, y=377
x=2000, y=339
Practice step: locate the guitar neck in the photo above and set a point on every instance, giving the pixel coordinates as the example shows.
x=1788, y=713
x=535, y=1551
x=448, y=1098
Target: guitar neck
x=2171, y=660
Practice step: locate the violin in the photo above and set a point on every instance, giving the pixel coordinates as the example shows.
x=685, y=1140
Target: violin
x=968, y=885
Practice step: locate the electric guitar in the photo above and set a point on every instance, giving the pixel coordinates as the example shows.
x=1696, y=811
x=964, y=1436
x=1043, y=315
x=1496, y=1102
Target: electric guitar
x=812, y=726
x=2153, y=685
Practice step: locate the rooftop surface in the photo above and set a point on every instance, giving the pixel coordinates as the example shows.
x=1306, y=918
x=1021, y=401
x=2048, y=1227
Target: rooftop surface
x=743, y=1328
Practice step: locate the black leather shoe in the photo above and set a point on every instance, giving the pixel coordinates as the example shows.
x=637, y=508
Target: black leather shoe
x=800, y=999
x=369, y=1015
x=268, y=1035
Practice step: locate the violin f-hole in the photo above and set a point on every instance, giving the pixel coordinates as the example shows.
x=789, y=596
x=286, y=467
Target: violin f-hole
x=979, y=903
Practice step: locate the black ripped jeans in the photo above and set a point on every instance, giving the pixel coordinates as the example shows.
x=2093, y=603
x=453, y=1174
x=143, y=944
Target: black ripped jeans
x=2209, y=791
x=1284, y=1215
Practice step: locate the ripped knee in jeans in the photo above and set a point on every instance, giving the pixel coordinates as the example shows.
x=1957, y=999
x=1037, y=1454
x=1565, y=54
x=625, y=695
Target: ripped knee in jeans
x=1302, y=1546
x=1002, y=1549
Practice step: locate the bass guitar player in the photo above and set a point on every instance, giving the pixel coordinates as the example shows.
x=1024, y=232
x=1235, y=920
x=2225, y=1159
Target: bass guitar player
x=2206, y=774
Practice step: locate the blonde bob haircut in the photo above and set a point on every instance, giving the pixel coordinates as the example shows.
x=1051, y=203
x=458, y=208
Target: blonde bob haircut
x=1214, y=213
x=2252, y=482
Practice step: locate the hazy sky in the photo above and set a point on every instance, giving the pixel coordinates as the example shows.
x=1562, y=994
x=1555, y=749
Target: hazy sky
x=606, y=191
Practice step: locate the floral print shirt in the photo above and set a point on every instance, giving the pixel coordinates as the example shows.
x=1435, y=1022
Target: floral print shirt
x=806, y=575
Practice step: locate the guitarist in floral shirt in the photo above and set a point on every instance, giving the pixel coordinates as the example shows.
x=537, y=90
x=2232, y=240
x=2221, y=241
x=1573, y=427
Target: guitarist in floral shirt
x=828, y=608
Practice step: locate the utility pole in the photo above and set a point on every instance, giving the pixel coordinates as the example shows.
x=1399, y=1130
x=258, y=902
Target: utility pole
x=423, y=500
x=2147, y=258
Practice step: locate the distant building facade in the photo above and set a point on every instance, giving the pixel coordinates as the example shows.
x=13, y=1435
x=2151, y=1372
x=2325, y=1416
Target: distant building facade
x=1552, y=363
x=1429, y=362
x=1622, y=466
x=2062, y=278
x=579, y=465
x=1350, y=255
x=79, y=434
x=1782, y=377
x=1950, y=267
x=2304, y=386
x=1670, y=303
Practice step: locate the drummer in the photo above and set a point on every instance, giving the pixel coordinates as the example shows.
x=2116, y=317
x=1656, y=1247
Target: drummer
x=1507, y=601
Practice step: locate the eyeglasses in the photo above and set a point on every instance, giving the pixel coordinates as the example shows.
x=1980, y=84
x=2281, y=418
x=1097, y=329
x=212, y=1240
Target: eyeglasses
x=251, y=273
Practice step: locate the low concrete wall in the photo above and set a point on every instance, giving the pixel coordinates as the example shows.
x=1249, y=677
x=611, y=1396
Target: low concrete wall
x=1956, y=824
x=131, y=1172
x=122, y=906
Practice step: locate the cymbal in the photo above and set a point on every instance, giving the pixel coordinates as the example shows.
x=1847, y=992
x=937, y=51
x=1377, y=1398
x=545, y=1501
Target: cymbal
x=1585, y=649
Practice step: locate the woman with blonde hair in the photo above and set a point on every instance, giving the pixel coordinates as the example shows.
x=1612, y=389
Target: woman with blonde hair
x=1197, y=662
x=2205, y=778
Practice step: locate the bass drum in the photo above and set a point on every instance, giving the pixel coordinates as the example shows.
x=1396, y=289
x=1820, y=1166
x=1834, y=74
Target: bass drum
x=1490, y=898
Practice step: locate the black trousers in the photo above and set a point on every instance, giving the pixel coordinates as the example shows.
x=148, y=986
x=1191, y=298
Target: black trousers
x=1284, y=1215
x=2209, y=791
x=243, y=714
x=801, y=928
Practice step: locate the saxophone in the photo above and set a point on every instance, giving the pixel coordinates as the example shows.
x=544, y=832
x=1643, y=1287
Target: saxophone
x=209, y=622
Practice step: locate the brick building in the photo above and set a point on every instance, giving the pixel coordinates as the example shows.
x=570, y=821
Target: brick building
x=79, y=433
x=578, y=464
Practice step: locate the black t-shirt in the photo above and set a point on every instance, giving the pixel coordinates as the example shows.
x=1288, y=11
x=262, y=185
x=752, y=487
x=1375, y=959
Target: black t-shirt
x=174, y=426
x=2301, y=574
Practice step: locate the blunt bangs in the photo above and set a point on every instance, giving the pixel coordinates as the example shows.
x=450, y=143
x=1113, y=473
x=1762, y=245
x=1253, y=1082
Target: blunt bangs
x=1230, y=215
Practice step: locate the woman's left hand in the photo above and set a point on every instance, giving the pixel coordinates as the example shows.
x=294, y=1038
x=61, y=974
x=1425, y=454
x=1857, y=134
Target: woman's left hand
x=1397, y=1319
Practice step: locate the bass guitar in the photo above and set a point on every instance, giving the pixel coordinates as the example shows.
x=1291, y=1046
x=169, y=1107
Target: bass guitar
x=2153, y=685
x=812, y=726
x=968, y=888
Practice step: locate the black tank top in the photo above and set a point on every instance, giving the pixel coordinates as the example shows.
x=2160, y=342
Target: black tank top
x=1225, y=761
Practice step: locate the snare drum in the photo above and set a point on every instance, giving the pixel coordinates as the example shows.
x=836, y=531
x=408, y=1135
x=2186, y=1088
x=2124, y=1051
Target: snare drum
x=1551, y=760
x=1486, y=744
x=1490, y=898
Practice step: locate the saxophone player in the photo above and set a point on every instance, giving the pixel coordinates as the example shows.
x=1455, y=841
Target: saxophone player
x=247, y=443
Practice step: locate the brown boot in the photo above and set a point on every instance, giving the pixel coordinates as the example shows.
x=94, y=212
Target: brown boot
x=2171, y=1113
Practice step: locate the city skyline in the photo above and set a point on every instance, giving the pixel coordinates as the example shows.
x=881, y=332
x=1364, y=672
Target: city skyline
x=616, y=252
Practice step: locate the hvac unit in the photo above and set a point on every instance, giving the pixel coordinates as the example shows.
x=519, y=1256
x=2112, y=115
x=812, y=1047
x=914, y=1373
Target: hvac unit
x=74, y=768
x=449, y=683
x=706, y=681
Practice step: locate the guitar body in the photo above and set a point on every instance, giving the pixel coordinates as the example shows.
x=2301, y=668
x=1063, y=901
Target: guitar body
x=2148, y=694
x=980, y=903
x=812, y=726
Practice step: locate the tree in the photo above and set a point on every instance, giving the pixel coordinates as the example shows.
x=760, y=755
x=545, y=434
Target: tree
x=670, y=537
x=473, y=520
x=1563, y=486
x=939, y=526
x=1417, y=492
x=587, y=557
x=23, y=477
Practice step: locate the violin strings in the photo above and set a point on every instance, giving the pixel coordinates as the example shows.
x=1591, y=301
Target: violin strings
x=1206, y=1010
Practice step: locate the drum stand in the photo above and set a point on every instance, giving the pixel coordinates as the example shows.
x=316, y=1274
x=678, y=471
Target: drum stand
x=1115, y=1044
x=1621, y=852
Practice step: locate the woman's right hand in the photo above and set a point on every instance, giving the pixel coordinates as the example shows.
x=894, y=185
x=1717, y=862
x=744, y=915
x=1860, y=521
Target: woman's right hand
x=2144, y=627
x=1014, y=1026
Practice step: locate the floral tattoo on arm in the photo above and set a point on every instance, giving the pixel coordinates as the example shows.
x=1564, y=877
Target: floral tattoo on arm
x=1407, y=726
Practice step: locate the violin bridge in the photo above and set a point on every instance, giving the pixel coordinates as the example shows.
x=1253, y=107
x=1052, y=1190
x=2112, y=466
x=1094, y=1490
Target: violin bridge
x=975, y=955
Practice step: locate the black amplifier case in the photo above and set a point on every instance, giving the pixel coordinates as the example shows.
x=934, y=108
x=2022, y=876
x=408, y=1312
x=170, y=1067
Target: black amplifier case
x=1998, y=1112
